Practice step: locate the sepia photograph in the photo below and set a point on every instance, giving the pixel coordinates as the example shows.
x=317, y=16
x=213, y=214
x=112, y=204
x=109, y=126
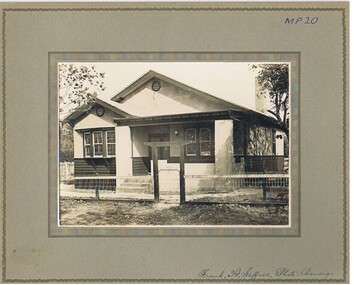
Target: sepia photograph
x=174, y=143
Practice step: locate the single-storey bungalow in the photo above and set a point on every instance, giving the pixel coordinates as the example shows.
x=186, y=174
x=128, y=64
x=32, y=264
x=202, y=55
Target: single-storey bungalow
x=159, y=119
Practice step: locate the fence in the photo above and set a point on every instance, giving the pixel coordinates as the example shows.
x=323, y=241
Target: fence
x=265, y=163
x=66, y=172
x=247, y=187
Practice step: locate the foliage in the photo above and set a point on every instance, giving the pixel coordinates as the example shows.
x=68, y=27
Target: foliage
x=274, y=80
x=66, y=146
x=260, y=141
x=78, y=85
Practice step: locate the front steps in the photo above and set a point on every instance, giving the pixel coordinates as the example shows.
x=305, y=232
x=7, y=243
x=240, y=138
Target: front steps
x=136, y=185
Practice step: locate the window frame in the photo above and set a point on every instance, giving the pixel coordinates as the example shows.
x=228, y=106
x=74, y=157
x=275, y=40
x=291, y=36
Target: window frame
x=199, y=157
x=94, y=144
x=91, y=134
x=87, y=145
x=195, y=142
x=108, y=143
x=210, y=141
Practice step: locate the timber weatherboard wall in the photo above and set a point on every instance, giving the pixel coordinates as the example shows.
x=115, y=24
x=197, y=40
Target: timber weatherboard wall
x=85, y=167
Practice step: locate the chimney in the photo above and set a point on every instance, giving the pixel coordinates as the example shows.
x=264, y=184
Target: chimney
x=260, y=98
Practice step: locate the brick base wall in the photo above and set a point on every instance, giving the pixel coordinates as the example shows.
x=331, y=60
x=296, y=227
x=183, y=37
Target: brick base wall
x=101, y=184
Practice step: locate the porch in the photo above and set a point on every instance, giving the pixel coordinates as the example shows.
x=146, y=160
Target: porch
x=194, y=153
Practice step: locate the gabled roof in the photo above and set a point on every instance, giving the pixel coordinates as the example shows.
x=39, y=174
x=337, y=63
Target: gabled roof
x=153, y=74
x=80, y=111
x=230, y=111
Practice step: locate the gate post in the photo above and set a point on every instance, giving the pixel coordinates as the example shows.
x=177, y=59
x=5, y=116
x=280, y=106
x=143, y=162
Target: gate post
x=182, y=182
x=155, y=164
x=97, y=192
x=264, y=189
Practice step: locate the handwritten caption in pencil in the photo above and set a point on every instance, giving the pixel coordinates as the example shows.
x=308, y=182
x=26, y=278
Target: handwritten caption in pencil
x=301, y=21
x=253, y=274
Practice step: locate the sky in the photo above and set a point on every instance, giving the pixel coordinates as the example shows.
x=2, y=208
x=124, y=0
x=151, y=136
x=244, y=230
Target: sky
x=231, y=81
x=234, y=82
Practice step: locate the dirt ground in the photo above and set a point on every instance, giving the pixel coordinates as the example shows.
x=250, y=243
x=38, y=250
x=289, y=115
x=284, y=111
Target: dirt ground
x=84, y=212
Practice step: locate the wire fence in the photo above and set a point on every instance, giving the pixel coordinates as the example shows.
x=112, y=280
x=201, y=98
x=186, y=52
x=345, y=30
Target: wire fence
x=227, y=183
x=238, y=187
x=66, y=172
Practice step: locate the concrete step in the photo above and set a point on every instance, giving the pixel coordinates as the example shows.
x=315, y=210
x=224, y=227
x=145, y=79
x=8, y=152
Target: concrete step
x=138, y=180
x=137, y=184
x=134, y=189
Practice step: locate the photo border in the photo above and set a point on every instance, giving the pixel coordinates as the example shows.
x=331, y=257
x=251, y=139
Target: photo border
x=292, y=230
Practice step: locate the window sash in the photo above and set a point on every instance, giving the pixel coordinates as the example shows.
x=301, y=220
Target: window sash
x=110, y=143
x=205, y=141
x=112, y=137
x=98, y=145
x=87, y=144
x=191, y=149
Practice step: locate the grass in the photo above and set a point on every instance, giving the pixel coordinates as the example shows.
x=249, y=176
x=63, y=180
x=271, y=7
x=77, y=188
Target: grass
x=90, y=213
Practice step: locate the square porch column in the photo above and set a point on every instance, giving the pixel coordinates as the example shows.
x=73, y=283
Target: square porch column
x=124, y=162
x=224, y=147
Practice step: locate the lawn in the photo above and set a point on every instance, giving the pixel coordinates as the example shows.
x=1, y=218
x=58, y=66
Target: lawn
x=84, y=212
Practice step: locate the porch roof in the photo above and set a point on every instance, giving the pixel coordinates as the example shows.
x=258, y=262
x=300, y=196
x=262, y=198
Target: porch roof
x=244, y=116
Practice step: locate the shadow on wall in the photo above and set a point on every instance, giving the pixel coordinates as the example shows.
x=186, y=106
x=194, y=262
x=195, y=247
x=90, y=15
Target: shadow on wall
x=212, y=180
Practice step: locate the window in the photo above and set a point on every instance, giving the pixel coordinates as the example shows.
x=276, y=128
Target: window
x=97, y=144
x=87, y=144
x=111, y=143
x=202, y=142
x=205, y=142
x=191, y=135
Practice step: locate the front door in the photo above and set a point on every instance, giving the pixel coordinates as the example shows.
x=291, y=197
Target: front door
x=162, y=152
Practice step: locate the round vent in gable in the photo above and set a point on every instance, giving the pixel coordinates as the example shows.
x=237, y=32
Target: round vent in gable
x=156, y=85
x=100, y=111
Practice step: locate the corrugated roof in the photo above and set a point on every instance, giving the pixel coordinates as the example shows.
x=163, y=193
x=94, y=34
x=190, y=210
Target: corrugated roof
x=246, y=116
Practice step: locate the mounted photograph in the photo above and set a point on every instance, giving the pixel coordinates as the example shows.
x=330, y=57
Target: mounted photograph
x=194, y=143
x=187, y=142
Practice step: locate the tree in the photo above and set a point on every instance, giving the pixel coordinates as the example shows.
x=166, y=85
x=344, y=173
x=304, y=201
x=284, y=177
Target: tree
x=78, y=85
x=66, y=146
x=274, y=80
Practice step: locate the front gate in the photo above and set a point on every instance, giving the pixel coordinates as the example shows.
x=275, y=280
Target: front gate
x=169, y=183
x=155, y=162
